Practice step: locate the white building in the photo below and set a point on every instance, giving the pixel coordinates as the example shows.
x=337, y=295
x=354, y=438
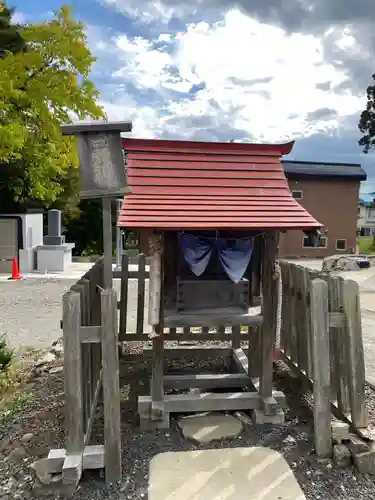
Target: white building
x=366, y=214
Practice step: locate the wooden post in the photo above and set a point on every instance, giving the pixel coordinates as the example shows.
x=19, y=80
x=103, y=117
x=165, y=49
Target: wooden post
x=111, y=389
x=141, y=294
x=156, y=320
x=269, y=296
x=107, y=241
x=124, y=296
x=340, y=345
x=154, y=290
x=72, y=372
x=321, y=368
x=355, y=356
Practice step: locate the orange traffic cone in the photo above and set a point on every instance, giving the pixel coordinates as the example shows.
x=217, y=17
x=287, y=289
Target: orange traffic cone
x=15, y=273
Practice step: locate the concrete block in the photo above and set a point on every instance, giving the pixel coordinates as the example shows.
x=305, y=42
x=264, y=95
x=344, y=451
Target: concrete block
x=93, y=457
x=259, y=417
x=365, y=462
x=341, y=455
x=146, y=424
x=356, y=444
x=340, y=431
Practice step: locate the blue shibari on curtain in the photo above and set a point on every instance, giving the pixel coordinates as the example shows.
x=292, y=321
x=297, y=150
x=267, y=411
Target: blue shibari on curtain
x=234, y=254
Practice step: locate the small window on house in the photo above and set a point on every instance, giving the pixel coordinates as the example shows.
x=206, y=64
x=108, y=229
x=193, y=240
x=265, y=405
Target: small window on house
x=309, y=243
x=341, y=245
x=297, y=195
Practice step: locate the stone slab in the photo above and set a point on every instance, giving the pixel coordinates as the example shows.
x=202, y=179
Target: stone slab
x=210, y=427
x=253, y=473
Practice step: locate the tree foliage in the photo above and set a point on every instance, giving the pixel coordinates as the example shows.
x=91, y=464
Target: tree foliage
x=41, y=87
x=10, y=37
x=367, y=120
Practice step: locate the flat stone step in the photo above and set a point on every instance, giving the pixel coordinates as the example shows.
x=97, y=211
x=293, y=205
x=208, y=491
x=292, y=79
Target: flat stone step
x=253, y=473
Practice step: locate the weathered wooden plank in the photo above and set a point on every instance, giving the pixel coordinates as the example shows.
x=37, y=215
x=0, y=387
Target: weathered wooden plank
x=215, y=320
x=254, y=336
x=300, y=318
x=182, y=351
x=269, y=294
x=355, y=355
x=154, y=302
x=94, y=402
x=72, y=372
x=132, y=274
x=340, y=347
x=90, y=334
x=206, y=381
x=124, y=296
x=285, y=313
x=292, y=313
x=111, y=389
x=141, y=293
x=321, y=368
x=107, y=241
x=180, y=337
x=241, y=361
x=336, y=319
x=177, y=403
x=307, y=319
x=157, y=386
x=236, y=336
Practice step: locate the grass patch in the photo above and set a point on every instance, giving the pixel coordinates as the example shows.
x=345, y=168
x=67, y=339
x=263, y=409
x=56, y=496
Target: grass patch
x=365, y=244
x=15, y=403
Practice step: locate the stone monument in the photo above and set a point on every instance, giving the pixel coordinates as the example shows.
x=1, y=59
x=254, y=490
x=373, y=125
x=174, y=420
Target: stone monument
x=54, y=255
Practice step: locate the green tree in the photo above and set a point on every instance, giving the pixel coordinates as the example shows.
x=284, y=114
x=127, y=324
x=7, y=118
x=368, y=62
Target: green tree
x=41, y=87
x=10, y=37
x=367, y=120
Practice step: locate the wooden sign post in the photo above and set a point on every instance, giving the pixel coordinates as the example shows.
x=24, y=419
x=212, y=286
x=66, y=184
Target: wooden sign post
x=102, y=171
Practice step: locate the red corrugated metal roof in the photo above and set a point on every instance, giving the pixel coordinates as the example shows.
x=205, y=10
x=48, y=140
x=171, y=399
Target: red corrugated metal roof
x=200, y=185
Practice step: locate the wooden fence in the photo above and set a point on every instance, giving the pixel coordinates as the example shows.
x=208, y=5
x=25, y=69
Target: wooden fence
x=321, y=340
x=90, y=332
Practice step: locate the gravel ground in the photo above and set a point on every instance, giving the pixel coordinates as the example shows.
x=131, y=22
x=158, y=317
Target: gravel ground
x=22, y=440
x=30, y=310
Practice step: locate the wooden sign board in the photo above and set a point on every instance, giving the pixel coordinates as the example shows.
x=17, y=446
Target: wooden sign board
x=101, y=158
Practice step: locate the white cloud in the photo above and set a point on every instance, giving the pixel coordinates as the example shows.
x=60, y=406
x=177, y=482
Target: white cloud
x=246, y=75
x=155, y=11
x=18, y=17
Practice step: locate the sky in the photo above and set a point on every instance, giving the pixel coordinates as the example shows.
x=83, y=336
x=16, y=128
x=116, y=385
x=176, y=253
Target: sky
x=252, y=70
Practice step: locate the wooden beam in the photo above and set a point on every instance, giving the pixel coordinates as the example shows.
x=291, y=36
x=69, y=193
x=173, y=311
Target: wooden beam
x=270, y=298
x=336, y=319
x=123, y=303
x=320, y=341
x=207, y=401
x=132, y=275
x=73, y=372
x=90, y=334
x=181, y=337
x=154, y=290
x=107, y=241
x=214, y=320
x=206, y=381
x=356, y=363
x=181, y=352
x=111, y=389
x=241, y=361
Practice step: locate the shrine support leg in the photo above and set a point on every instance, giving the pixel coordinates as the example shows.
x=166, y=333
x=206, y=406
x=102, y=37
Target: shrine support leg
x=156, y=417
x=270, y=413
